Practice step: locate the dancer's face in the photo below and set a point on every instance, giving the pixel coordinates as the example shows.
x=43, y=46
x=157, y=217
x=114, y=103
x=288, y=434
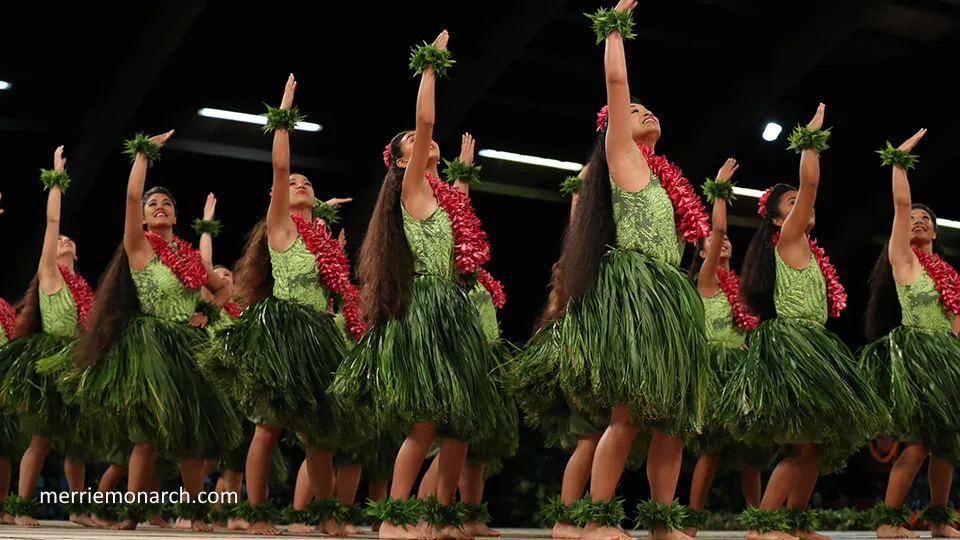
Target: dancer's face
x=644, y=125
x=159, y=212
x=66, y=246
x=301, y=191
x=406, y=146
x=725, y=251
x=785, y=206
x=922, y=231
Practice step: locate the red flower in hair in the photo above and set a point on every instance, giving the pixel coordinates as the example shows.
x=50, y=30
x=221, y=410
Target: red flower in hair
x=185, y=262
x=602, y=117
x=730, y=285
x=944, y=277
x=836, y=295
x=8, y=318
x=386, y=155
x=81, y=292
x=762, y=203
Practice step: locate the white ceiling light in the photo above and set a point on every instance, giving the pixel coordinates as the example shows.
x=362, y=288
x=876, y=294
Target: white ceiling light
x=948, y=223
x=4, y=85
x=747, y=192
x=531, y=160
x=771, y=132
x=252, y=118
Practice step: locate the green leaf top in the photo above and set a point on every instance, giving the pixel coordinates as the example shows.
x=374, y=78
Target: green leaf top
x=458, y=170
x=714, y=190
x=51, y=177
x=898, y=158
x=278, y=118
x=141, y=144
x=605, y=22
x=425, y=55
x=804, y=137
x=211, y=227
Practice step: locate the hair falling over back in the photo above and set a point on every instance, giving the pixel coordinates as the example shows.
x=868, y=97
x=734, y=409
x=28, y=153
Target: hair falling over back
x=115, y=303
x=253, y=275
x=759, y=264
x=29, y=322
x=385, y=264
x=696, y=261
x=883, y=312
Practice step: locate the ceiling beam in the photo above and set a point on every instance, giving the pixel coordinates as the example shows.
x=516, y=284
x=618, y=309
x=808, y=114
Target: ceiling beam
x=254, y=154
x=751, y=95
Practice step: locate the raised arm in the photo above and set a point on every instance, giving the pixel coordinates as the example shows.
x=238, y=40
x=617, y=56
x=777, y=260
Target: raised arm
x=707, y=282
x=48, y=272
x=281, y=231
x=206, y=239
x=134, y=242
x=417, y=196
x=793, y=231
x=905, y=265
x=467, y=145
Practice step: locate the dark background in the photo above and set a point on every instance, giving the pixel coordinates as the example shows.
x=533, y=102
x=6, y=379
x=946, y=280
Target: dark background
x=528, y=79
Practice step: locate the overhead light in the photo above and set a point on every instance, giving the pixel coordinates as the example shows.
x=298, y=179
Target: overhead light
x=531, y=160
x=771, y=132
x=252, y=118
x=948, y=223
x=4, y=85
x=747, y=192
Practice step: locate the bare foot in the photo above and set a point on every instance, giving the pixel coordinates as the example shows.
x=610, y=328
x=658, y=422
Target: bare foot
x=102, y=523
x=889, y=531
x=26, y=521
x=125, y=525
x=605, y=533
x=390, y=531
x=6, y=518
x=158, y=521
x=331, y=528
x=82, y=519
x=299, y=528
x=811, y=535
x=475, y=528
x=944, y=531
x=200, y=526
x=453, y=533
x=237, y=524
x=663, y=534
x=567, y=531
x=690, y=531
x=350, y=528
x=262, y=529
x=772, y=535
x=182, y=524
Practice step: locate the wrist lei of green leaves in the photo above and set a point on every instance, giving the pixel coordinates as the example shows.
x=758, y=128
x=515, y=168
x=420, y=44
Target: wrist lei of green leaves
x=425, y=55
x=803, y=138
x=209, y=226
x=77, y=508
x=105, y=511
x=764, y=520
x=278, y=118
x=51, y=177
x=653, y=515
x=326, y=212
x=211, y=310
x=895, y=516
x=696, y=518
x=896, y=157
x=939, y=516
x=440, y=515
x=802, y=519
x=458, y=170
x=718, y=189
x=605, y=22
x=571, y=185
x=142, y=144
x=327, y=509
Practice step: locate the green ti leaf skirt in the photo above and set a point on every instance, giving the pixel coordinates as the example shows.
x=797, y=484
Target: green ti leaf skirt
x=637, y=339
x=799, y=383
x=432, y=364
x=149, y=383
x=917, y=374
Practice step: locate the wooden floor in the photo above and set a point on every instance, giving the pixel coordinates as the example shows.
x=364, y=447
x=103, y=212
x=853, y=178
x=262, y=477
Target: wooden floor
x=64, y=530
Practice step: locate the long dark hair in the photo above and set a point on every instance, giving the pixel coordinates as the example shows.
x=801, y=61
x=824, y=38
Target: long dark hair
x=759, y=265
x=385, y=264
x=697, y=261
x=253, y=278
x=554, y=309
x=883, y=312
x=115, y=302
x=29, y=321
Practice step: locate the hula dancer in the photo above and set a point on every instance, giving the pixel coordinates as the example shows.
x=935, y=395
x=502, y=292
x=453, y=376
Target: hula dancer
x=798, y=384
x=10, y=431
x=914, y=318
x=425, y=363
x=139, y=353
x=648, y=370
x=280, y=355
x=727, y=322
x=55, y=307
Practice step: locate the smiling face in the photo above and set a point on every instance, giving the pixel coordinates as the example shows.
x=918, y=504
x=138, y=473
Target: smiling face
x=159, y=212
x=301, y=191
x=922, y=230
x=644, y=125
x=406, y=147
x=725, y=251
x=785, y=206
x=66, y=247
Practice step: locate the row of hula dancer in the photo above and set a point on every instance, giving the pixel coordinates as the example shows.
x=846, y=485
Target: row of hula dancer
x=631, y=359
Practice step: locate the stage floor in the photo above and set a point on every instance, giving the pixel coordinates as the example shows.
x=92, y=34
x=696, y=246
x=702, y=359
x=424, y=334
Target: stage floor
x=65, y=530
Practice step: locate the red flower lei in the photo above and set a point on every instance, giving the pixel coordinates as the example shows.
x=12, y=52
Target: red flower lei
x=8, y=318
x=493, y=286
x=233, y=308
x=81, y=292
x=730, y=285
x=334, y=269
x=185, y=262
x=688, y=211
x=836, y=295
x=945, y=278
x=470, y=247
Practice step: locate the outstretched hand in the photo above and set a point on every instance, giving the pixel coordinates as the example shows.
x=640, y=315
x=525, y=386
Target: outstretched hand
x=442, y=39
x=912, y=141
x=337, y=202
x=726, y=172
x=288, y=91
x=466, y=149
x=162, y=138
x=199, y=320
x=625, y=5
x=342, y=238
x=210, y=208
x=817, y=121
x=59, y=162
